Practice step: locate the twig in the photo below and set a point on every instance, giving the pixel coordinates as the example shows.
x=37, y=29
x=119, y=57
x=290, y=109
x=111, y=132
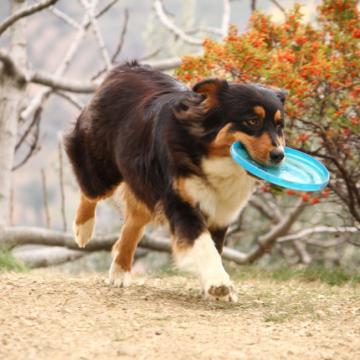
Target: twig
x=264, y=209
x=56, y=81
x=71, y=99
x=45, y=199
x=205, y=29
x=65, y=17
x=151, y=54
x=62, y=188
x=34, y=145
x=52, y=81
x=278, y=5
x=90, y=10
x=304, y=256
x=11, y=210
x=253, y=5
x=122, y=36
x=36, y=119
x=159, y=11
x=25, y=12
x=225, y=18
x=119, y=46
x=267, y=241
x=106, y=8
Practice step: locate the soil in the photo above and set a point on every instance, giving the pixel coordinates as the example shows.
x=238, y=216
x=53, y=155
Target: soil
x=45, y=315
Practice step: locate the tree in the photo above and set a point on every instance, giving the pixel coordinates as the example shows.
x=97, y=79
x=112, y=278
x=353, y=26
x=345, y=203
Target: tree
x=16, y=75
x=320, y=66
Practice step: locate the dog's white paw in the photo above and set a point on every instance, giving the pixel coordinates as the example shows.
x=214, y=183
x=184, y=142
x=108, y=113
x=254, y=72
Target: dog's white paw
x=118, y=277
x=220, y=290
x=83, y=232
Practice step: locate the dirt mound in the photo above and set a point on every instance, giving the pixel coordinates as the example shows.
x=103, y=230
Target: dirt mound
x=45, y=315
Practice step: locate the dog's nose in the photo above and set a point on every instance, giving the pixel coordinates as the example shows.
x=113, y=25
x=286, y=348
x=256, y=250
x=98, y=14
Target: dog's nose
x=276, y=155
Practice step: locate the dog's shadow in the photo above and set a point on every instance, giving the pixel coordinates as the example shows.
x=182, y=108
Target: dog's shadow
x=184, y=297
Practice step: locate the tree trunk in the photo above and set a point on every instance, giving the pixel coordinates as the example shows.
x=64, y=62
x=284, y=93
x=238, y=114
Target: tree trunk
x=12, y=94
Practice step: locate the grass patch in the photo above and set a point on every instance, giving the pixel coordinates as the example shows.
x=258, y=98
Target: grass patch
x=335, y=276
x=9, y=263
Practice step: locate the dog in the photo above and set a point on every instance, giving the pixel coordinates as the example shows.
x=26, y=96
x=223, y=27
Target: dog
x=168, y=149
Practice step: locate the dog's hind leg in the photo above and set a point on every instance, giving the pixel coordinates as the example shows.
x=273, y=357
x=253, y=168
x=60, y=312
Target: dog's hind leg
x=137, y=216
x=84, y=223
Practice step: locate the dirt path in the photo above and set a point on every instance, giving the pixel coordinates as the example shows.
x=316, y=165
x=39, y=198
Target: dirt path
x=56, y=316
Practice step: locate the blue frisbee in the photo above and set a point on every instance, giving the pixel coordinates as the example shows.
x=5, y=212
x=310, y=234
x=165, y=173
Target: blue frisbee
x=298, y=171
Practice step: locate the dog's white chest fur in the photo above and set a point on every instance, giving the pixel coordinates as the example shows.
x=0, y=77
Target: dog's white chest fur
x=224, y=192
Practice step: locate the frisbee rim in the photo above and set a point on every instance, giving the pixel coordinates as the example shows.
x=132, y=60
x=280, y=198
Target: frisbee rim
x=271, y=178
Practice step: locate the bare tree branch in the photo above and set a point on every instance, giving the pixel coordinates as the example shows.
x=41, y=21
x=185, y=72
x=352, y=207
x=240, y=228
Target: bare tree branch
x=150, y=55
x=253, y=5
x=164, y=19
x=119, y=46
x=65, y=17
x=165, y=64
x=90, y=10
x=267, y=241
x=122, y=36
x=71, y=99
x=319, y=229
x=205, y=29
x=264, y=209
x=325, y=244
x=39, y=99
x=61, y=183
x=106, y=8
x=304, y=256
x=58, y=83
x=278, y=5
x=26, y=133
x=36, y=256
x=45, y=199
x=34, y=147
x=25, y=12
x=14, y=236
x=225, y=18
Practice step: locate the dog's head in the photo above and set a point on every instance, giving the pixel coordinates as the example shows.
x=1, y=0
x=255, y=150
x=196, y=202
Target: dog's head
x=251, y=114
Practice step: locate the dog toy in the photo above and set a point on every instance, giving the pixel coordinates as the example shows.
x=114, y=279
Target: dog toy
x=298, y=171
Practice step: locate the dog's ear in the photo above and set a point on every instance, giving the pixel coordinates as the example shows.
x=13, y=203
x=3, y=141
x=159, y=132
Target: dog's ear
x=211, y=89
x=281, y=94
x=189, y=106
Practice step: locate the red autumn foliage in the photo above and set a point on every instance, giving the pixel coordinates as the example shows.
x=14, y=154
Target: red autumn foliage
x=319, y=64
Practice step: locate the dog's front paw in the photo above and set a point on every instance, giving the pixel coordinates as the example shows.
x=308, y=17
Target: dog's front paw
x=220, y=289
x=118, y=277
x=83, y=232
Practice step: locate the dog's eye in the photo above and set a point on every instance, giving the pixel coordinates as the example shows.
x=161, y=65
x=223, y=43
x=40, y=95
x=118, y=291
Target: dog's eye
x=252, y=122
x=279, y=129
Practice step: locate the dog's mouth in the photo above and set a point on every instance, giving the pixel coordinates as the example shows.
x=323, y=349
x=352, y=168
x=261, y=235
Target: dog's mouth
x=273, y=158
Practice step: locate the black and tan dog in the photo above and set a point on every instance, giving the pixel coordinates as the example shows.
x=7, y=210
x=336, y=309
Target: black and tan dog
x=167, y=147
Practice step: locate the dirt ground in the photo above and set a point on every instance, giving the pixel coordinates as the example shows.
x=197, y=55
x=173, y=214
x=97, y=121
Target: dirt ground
x=46, y=315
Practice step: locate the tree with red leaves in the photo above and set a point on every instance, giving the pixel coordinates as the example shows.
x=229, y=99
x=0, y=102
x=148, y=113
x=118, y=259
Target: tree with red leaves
x=319, y=64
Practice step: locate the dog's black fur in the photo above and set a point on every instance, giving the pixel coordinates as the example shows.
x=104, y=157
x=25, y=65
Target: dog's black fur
x=148, y=130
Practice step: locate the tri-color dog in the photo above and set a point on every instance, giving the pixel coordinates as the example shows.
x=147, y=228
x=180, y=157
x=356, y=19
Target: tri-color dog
x=167, y=147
